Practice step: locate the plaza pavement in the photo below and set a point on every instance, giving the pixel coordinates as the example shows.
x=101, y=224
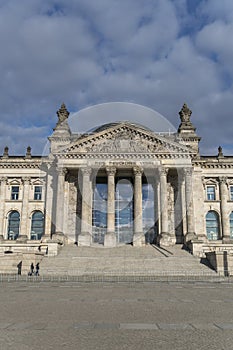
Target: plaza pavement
x=86, y=316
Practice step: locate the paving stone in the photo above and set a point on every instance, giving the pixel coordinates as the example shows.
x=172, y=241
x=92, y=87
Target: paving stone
x=106, y=326
x=174, y=326
x=4, y=325
x=85, y=325
x=205, y=326
x=138, y=326
x=225, y=326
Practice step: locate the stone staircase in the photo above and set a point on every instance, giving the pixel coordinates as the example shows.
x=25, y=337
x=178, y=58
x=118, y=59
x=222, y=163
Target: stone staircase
x=124, y=261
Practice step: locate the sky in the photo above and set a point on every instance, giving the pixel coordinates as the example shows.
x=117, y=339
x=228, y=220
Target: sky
x=155, y=53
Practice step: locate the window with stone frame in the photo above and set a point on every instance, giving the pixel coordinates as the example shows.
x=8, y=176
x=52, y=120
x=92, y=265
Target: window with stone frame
x=212, y=225
x=231, y=224
x=37, y=193
x=231, y=193
x=210, y=193
x=14, y=192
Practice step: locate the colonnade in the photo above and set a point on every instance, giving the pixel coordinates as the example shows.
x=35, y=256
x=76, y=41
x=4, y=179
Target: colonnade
x=161, y=196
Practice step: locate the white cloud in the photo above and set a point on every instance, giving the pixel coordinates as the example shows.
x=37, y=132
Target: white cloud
x=84, y=52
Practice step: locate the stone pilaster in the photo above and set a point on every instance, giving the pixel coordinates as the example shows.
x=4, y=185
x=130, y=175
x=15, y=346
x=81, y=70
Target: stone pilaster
x=110, y=237
x=3, y=181
x=49, y=204
x=25, y=230
x=156, y=207
x=61, y=172
x=188, y=172
x=138, y=237
x=223, y=207
x=85, y=237
x=165, y=239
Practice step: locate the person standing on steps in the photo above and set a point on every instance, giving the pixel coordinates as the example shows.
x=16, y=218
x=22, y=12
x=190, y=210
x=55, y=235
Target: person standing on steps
x=37, y=269
x=32, y=269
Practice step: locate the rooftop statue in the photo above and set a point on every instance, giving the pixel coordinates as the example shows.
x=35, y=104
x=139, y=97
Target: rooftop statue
x=185, y=114
x=62, y=114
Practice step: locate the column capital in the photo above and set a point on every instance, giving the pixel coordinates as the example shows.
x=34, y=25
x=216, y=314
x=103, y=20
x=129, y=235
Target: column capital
x=188, y=171
x=86, y=171
x=61, y=171
x=223, y=180
x=3, y=179
x=110, y=170
x=163, y=171
x=137, y=170
x=26, y=180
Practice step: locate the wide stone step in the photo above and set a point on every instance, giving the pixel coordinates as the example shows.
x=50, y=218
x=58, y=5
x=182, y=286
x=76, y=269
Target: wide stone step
x=124, y=260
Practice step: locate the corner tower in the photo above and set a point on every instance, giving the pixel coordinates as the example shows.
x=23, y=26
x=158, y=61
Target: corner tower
x=186, y=130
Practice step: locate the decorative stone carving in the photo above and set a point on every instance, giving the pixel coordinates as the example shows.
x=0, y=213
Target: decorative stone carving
x=110, y=170
x=61, y=171
x=137, y=170
x=28, y=153
x=6, y=152
x=62, y=114
x=185, y=114
x=86, y=171
x=220, y=152
x=26, y=180
x=223, y=179
x=126, y=142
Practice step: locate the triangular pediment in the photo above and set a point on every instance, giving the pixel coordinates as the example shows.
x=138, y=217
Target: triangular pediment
x=124, y=138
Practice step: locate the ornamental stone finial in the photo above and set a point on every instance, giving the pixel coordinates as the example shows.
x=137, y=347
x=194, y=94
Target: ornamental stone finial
x=220, y=152
x=185, y=113
x=62, y=114
x=28, y=153
x=6, y=152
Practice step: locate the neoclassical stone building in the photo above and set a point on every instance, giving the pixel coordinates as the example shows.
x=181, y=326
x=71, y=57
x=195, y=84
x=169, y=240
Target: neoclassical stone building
x=119, y=184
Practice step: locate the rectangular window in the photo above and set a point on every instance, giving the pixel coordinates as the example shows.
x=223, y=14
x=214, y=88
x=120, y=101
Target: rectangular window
x=15, y=192
x=231, y=193
x=37, y=193
x=210, y=193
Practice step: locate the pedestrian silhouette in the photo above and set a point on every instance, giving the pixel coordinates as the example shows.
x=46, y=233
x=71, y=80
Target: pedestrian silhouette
x=32, y=269
x=37, y=269
x=19, y=266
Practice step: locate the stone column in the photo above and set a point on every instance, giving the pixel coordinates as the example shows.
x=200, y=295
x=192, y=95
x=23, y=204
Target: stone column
x=165, y=237
x=3, y=181
x=138, y=237
x=49, y=215
x=110, y=237
x=223, y=207
x=61, y=172
x=25, y=230
x=156, y=208
x=183, y=204
x=189, y=205
x=85, y=237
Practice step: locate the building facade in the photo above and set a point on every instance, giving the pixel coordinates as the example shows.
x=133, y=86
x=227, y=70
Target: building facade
x=120, y=184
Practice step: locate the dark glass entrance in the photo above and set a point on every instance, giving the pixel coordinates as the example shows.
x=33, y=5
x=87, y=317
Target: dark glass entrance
x=124, y=210
x=148, y=212
x=99, y=210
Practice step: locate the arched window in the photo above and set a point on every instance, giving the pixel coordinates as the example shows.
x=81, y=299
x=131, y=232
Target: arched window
x=13, y=225
x=37, y=226
x=231, y=224
x=212, y=225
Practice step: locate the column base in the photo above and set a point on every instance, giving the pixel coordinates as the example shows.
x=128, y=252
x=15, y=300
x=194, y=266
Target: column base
x=110, y=239
x=190, y=236
x=84, y=239
x=167, y=239
x=139, y=239
x=227, y=239
x=46, y=239
x=1, y=238
x=22, y=239
x=59, y=238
